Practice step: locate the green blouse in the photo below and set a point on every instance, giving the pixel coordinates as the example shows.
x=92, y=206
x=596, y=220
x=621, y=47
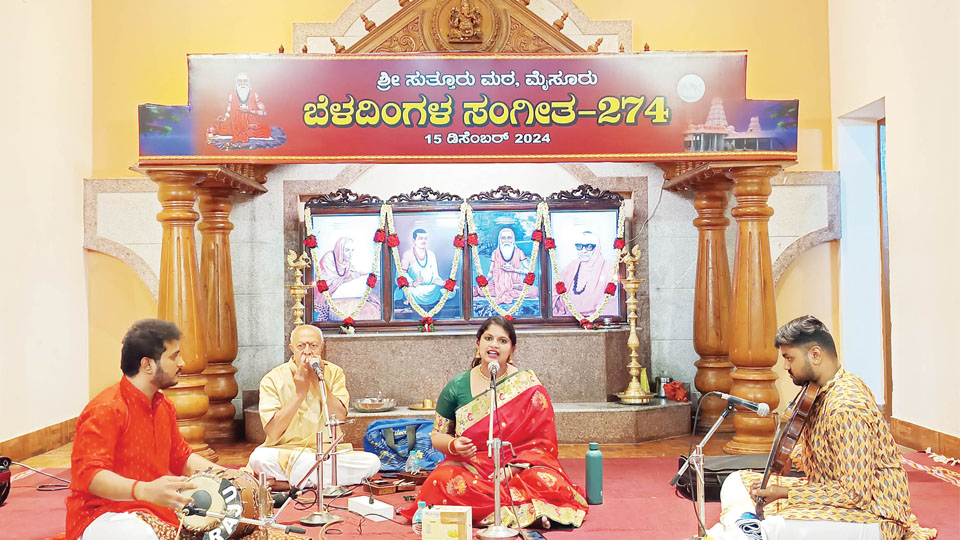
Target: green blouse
x=457, y=393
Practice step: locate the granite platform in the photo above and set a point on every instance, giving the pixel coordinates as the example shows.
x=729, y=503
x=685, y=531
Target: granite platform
x=577, y=422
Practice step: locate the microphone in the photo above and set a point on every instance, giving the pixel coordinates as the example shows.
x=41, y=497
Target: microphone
x=317, y=368
x=494, y=367
x=201, y=500
x=762, y=409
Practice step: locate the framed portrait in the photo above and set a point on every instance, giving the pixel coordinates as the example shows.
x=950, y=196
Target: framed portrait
x=345, y=254
x=505, y=251
x=426, y=254
x=585, y=260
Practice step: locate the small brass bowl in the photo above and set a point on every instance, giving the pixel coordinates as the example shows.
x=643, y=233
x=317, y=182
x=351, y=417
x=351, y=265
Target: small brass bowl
x=374, y=404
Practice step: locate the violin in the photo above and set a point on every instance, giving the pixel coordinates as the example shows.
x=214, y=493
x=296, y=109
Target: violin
x=779, y=460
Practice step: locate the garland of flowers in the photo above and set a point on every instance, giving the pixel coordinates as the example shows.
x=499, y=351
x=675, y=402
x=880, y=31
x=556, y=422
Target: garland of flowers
x=386, y=232
x=528, y=280
x=310, y=242
x=611, y=289
x=403, y=281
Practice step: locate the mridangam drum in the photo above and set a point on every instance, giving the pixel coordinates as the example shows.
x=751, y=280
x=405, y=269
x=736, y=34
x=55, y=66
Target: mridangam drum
x=231, y=493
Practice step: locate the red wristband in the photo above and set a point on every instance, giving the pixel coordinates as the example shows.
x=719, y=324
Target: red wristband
x=133, y=490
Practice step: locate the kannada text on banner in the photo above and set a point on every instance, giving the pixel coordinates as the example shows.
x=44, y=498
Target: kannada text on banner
x=468, y=108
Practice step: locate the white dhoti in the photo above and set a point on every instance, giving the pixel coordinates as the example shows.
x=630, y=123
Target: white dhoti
x=735, y=501
x=292, y=466
x=113, y=525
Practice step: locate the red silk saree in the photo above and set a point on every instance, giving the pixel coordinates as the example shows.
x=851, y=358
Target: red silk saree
x=539, y=489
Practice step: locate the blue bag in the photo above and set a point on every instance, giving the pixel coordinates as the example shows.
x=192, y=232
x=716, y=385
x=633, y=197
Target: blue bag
x=402, y=444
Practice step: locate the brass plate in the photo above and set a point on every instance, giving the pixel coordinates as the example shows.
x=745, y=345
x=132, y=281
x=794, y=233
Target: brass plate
x=420, y=407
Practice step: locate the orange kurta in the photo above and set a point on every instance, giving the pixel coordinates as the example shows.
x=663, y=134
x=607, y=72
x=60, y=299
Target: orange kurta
x=122, y=431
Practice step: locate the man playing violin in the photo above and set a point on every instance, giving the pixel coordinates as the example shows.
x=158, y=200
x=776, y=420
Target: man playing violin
x=855, y=486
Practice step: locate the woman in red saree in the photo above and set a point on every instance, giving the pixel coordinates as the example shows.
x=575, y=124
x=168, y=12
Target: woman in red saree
x=534, y=488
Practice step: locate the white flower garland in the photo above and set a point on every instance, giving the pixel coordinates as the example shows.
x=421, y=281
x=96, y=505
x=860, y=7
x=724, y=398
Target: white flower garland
x=373, y=270
x=485, y=289
x=548, y=229
x=457, y=254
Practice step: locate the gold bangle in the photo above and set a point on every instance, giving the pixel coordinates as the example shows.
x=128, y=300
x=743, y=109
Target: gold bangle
x=450, y=450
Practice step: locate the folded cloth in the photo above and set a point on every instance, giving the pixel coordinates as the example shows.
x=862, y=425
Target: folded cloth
x=674, y=390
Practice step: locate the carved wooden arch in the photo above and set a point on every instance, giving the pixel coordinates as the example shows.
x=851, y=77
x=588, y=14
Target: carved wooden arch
x=505, y=26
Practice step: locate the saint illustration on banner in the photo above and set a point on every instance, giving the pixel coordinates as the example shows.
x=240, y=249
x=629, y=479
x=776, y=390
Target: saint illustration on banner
x=244, y=124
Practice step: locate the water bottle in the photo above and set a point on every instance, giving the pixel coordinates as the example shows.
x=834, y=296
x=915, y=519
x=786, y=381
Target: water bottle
x=418, y=517
x=594, y=474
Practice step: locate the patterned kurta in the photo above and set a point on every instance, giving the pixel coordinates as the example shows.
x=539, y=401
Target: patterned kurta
x=852, y=465
x=122, y=431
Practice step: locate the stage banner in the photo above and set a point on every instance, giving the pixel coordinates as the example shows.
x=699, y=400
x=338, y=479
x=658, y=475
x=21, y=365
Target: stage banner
x=653, y=106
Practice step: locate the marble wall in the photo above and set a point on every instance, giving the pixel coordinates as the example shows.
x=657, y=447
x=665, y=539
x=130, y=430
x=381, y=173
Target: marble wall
x=120, y=220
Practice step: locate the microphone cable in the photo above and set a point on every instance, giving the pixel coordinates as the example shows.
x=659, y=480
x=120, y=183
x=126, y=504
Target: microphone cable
x=46, y=487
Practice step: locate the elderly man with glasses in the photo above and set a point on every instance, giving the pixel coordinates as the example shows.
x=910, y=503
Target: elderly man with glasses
x=292, y=410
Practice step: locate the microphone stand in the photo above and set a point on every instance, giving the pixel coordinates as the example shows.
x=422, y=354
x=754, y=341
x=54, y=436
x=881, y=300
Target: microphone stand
x=322, y=516
x=696, y=461
x=494, y=446
x=269, y=522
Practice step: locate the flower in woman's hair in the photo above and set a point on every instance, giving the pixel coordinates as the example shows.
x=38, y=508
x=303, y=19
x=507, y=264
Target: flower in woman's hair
x=561, y=288
x=402, y=282
x=472, y=239
x=619, y=243
x=458, y=241
x=537, y=235
x=379, y=236
x=310, y=241
x=481, y=281
x=450, y=285
x=549, y=243
x=529, y=278
x=372, y=280
x=322, y=286
x=611, y=289
x=393, y=241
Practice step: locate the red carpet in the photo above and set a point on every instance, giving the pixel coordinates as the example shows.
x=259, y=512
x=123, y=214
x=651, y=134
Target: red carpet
x=638, y=504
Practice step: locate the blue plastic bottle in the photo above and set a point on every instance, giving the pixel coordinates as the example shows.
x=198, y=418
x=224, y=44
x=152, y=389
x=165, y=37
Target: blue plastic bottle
x=418, y=517
x=594, y=474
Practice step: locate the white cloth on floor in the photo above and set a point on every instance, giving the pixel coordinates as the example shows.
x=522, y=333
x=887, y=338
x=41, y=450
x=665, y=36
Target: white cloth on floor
x=352, y=467
x=113, y=525
x=735, y=501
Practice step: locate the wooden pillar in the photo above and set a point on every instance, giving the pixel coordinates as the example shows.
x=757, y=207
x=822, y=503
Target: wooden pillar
x=711, y=305
x=220, y=323
x=179, y=299
x=753, y=318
